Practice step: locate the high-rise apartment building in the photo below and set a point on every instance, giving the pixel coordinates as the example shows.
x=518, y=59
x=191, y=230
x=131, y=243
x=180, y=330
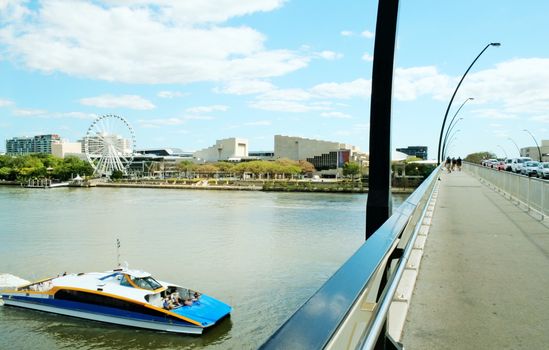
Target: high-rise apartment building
x=34, y=144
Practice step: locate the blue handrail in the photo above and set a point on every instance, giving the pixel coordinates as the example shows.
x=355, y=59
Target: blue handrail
x=314, y=323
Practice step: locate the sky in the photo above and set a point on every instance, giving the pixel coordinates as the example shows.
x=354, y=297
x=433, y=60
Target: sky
x=187, y=73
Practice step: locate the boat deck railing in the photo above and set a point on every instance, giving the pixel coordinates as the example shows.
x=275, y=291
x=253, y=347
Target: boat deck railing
x=350, y=310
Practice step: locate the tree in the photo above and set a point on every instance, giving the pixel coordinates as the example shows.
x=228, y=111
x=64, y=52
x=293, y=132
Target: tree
x=117, y=175
x=479, y=156
x=306, y=167
x=351, y=169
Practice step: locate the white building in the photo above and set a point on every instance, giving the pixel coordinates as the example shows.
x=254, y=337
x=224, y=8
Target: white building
x=226, y=149
x=324, y=155
x=533, y=151
x=62, y=149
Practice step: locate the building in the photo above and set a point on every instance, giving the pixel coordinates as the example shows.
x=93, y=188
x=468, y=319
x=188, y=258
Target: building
x=96, y=144
x=63, y=149
x=34, y=144
x=260, y=155
x=164, y=152
x=231, y=149
x=324, y=155
x=416, y=151
x=533, y=152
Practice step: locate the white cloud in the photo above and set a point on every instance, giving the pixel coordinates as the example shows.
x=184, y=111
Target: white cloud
x=6, y=103
x=356, y=88
x=493, y=114
x=410, y=83
x=541, y=118
x=287, y=94
x=346, y=33
x=147, y=41
x=335, y=115
x=367, y=34
x=170, y=94
x=245, y=87
x=207, y=109
x=123, y=101
x=156, y=123
x=286, y=106
x=330, y=55
x=204, y=11
x=43, y=114
x=367, y=57
x=29, y=112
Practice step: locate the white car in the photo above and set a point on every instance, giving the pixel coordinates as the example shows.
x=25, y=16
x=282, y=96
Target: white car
x=516, y=163
x=543, y=170
x=529, y=168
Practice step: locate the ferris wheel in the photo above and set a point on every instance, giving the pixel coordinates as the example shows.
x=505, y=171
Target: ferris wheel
x=109, y=144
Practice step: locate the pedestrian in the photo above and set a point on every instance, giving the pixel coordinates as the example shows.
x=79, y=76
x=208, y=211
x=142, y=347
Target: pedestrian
x=453, y=163
x=458, y=163
x=448, y=164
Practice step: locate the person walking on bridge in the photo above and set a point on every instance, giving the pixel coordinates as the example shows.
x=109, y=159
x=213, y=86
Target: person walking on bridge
x=458, y=163
x=448, y=164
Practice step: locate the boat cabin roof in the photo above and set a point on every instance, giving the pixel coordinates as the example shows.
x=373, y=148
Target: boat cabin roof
x=134, y=273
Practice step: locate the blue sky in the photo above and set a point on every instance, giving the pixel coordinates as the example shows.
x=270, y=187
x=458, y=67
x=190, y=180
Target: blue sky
x=185, y=73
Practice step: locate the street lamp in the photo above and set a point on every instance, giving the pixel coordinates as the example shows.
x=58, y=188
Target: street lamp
x=445, y=143
x=450, y=125
x=454, y=95
x=533, y=138
x=451, y=139
x=518, y=149
x=503, y=151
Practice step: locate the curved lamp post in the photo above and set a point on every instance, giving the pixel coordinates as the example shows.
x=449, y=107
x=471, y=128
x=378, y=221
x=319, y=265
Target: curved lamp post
x=533, y=138
x=518, y=149
x=503, y=151
x=448, y=131
x=454, y=95
x=451, y=139
x=450, y=125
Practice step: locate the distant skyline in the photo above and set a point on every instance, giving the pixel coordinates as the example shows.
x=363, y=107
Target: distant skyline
x=186, y=73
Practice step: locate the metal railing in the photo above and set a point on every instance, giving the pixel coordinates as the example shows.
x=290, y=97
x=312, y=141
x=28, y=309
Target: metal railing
x=365, y=283
x=529, y=192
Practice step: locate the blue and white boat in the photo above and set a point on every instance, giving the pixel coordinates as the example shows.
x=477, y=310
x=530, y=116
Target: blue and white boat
x=121, y=296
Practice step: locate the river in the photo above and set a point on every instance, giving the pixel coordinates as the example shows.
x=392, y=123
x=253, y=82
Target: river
x=263, y=253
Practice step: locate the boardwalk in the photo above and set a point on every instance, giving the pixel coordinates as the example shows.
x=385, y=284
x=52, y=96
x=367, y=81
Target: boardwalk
x=484, y=279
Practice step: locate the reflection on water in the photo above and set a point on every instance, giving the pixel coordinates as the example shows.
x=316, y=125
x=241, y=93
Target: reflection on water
x=263, y=253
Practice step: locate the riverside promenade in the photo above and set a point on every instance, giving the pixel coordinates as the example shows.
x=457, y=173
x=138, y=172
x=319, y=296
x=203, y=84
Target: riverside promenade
x=483, y=282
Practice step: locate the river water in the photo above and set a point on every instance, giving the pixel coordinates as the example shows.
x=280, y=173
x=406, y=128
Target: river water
x=263, y=253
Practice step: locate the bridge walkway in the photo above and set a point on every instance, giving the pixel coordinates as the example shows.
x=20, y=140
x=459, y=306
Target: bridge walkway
x=483, y=282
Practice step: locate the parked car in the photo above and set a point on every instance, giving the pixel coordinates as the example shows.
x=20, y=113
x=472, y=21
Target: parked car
x=529, y=168
x=516, y=163
x=500, y=165
x=543, y=170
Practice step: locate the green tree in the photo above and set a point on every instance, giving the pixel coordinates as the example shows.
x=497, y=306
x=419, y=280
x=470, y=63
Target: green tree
x=479, y=156
x=117, y=175
x=351, y=169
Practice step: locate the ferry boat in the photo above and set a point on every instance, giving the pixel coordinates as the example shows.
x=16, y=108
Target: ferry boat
x=121, y=296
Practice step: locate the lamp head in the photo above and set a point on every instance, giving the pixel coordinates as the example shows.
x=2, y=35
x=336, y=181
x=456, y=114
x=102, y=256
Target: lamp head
x=495, y=44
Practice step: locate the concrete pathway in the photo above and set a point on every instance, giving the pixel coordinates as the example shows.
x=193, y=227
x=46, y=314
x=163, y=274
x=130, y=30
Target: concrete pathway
x=484, y=278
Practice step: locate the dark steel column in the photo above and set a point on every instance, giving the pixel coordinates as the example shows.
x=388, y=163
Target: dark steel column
x=378, y=205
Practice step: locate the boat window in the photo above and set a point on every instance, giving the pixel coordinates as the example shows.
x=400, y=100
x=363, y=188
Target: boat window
x=124, y=282
x=146, y=283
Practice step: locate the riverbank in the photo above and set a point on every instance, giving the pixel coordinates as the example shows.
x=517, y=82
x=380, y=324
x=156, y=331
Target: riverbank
x=267, y=186
x=330, y=187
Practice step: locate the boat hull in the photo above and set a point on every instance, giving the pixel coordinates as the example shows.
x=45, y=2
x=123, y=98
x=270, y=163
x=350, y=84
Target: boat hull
x=102, y=314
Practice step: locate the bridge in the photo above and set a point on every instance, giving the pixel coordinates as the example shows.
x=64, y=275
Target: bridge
x=462, y=264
